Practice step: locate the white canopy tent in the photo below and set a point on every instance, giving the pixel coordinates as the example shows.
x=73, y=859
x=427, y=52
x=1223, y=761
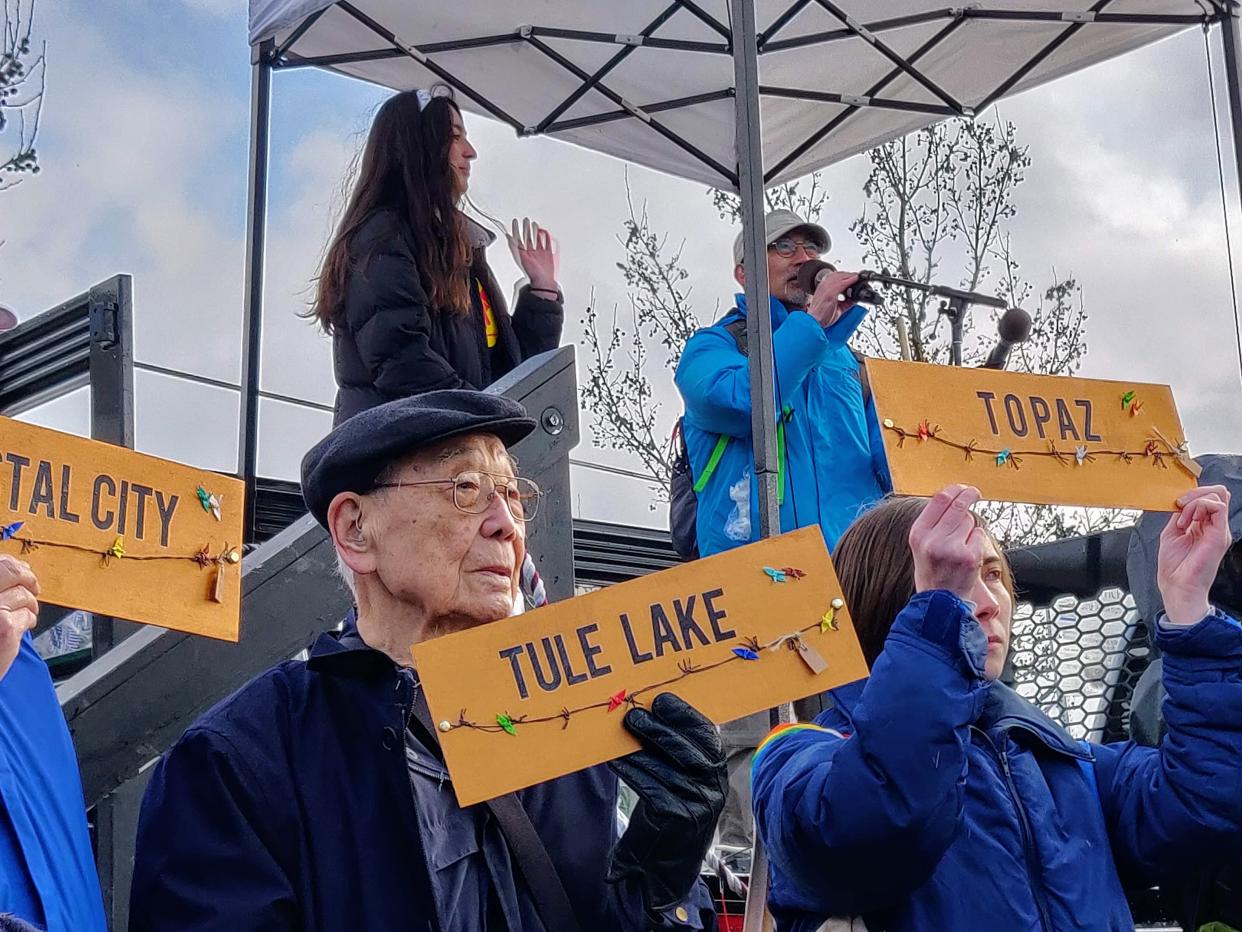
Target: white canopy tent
x=652, y=81
x=739, y=94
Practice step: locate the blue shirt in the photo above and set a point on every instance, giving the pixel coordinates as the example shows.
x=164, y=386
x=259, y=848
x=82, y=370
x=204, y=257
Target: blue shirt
x=47, y=874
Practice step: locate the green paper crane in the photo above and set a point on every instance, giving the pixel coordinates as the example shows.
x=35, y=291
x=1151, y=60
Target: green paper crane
x=210, y=501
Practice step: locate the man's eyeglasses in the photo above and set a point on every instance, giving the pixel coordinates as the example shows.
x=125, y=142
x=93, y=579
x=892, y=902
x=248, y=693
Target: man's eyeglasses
x=786, y=247
x=473, y=491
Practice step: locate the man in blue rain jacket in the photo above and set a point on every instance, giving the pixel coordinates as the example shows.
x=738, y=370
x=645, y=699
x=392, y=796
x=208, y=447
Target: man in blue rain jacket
x=831, y=459
x=830, y=456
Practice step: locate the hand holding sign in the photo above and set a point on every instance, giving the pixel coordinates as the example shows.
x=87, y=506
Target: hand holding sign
x=947, y=542
x=680, y=778
x=1191, y=547
x=18, y=608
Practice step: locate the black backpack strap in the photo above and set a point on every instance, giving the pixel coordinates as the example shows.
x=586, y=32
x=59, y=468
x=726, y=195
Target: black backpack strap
x=525, y=846
x=862, y=375
x=736, y=325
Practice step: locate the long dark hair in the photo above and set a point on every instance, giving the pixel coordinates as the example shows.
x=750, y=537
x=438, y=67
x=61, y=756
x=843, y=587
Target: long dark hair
x=405, y=168
x=874, y=562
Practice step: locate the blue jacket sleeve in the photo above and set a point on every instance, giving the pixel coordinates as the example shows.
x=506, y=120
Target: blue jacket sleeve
x=1170, y=809
x=833, y=809
x=714, y=377
x=207, y=848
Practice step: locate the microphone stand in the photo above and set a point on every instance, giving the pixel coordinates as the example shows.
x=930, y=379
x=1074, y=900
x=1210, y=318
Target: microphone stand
x=953, y=304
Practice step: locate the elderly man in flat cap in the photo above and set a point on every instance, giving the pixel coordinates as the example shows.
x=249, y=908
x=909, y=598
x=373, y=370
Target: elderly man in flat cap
x=315, y=798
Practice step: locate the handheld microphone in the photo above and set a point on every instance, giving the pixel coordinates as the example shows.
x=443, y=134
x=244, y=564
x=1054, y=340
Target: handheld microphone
x=813, y=272
x=1014, y=327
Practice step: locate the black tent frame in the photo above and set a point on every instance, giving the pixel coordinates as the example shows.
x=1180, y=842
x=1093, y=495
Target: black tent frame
x=748, y=178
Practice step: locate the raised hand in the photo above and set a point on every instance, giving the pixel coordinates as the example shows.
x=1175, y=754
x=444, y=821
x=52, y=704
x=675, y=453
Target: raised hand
x=537, y=253
x=1192, y=545
x=18, y=609
x=948, y=543
x=824, y=306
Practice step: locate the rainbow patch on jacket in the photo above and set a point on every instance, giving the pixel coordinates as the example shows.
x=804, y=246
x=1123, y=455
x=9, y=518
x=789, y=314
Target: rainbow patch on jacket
x=784, y=731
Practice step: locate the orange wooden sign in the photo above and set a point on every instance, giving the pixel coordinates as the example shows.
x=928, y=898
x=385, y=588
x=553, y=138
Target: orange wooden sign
x=121, y=533
x=530, y=698
x=1031, y=438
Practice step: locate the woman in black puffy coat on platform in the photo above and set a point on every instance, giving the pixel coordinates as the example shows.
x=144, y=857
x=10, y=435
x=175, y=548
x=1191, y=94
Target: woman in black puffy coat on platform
x=405, y=289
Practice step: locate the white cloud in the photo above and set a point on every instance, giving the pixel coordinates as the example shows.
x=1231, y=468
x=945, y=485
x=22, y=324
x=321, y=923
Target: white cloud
x=1124, y=193
x=297, y=356
x=221, y=8
x=121, y=159
x=131, y=183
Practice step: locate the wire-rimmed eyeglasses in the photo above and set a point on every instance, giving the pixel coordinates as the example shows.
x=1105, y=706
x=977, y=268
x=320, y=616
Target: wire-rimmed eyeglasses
x=785, y=247
x=473, y=491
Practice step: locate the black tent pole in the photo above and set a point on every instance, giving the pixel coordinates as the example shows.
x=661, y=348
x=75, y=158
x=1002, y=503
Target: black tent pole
x=1231, y=40
x=256, y=230
x=749, y=139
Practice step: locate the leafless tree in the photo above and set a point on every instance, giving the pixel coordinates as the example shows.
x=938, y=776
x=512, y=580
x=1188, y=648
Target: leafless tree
x=22, y=76
x=937, y=208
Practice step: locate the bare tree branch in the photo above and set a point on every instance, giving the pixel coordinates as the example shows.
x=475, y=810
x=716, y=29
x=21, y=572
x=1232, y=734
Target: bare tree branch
x=618, y=390
x=22, y=76
x=937, y=207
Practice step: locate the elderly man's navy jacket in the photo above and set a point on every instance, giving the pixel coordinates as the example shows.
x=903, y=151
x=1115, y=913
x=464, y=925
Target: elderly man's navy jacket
x=291, y=805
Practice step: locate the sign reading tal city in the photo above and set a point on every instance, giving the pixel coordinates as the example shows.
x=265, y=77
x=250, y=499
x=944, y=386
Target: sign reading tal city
x=545, y=692
x=121, y=533
x=1031, y=438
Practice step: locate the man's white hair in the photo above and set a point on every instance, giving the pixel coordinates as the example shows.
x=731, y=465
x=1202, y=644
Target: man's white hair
x=347, y=576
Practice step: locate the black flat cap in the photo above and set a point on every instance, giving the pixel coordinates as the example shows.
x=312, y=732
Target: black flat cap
x=351, y=457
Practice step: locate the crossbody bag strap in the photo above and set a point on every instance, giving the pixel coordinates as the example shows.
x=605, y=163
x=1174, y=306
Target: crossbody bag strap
x=525, y=846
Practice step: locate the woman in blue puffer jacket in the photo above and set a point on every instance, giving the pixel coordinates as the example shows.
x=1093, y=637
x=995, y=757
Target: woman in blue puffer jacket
x=932, y=797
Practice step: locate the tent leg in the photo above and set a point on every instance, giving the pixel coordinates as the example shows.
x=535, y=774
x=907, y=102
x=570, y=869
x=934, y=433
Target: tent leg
x=758, y=335
x=256, y=230
x=755, y=260
x=1231, y=40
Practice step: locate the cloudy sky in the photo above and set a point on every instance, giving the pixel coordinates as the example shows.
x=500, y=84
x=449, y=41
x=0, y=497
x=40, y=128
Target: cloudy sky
x=144, y=153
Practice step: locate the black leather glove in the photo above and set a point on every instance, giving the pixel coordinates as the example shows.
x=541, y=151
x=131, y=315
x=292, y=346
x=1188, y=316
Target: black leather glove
x=680, y=778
